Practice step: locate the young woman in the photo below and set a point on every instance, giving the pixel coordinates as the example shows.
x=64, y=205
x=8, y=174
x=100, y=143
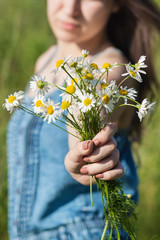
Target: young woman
x=49, y=195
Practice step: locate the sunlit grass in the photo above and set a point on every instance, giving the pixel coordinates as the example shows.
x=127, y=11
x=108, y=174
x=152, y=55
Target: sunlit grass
x=24, y=35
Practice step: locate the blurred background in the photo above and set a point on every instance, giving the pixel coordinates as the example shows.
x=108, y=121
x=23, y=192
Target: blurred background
x=24, y=35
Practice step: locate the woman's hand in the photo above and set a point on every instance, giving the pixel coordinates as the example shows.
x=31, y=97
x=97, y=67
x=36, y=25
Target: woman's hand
x=101, y=152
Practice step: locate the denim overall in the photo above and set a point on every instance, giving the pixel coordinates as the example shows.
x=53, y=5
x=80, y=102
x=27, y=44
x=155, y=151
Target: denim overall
x=45, y=202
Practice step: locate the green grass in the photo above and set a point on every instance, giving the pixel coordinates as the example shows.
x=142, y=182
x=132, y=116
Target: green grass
x=24, y=35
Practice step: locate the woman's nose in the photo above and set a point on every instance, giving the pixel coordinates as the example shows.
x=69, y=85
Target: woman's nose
x=72, y=7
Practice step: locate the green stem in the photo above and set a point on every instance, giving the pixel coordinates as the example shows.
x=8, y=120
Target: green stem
x=104, y=231
x=91, y=177
x=72, y=78
x=123, y=81
x=111, y=231
x=118, y=235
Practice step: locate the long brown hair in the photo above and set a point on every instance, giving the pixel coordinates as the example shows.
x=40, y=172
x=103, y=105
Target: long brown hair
x=133, y=32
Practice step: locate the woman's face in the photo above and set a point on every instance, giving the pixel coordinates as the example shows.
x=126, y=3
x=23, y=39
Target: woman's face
x=79, y=20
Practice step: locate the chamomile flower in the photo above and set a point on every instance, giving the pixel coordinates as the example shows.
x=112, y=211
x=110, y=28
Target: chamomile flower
x=132, y=72
x=140, y=64
x=127, y=92
x=66, y=105
x=51, y=112
x=113, y=86
x=90, y=66
x=87, y=101
x=76, y=62
x=13, y=101
x=61, y=63
x=144, y=108
x=38, y=104
x=107, y=67
x=85, y=53
x=106, y=99
x=68, y=92
x=39, y=85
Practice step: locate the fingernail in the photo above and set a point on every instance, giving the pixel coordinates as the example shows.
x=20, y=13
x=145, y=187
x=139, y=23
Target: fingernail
x=96, y=142
x=86, y=159
x=86, y=145
x=100, y=175
x=84, y=169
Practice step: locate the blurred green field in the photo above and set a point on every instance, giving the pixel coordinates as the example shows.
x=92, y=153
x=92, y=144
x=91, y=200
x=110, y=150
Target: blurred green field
x=24, y=35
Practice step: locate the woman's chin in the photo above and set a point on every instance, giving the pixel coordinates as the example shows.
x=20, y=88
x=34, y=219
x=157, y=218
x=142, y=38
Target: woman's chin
x=68, y=36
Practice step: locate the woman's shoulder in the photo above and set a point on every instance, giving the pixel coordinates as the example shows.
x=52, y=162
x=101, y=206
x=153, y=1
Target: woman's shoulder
x=44, y=58
x=112, y=55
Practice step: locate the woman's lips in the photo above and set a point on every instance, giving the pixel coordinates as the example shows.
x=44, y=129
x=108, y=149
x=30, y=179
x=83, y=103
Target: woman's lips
x=68, y=25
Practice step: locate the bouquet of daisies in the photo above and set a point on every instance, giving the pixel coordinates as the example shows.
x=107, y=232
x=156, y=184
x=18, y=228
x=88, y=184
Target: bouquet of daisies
x=87, y=88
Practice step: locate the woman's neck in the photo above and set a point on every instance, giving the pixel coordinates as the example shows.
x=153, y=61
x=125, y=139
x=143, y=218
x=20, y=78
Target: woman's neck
x=74, y=49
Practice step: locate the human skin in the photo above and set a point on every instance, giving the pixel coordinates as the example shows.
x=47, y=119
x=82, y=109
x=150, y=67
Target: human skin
x=101, y=151
x=77, y=25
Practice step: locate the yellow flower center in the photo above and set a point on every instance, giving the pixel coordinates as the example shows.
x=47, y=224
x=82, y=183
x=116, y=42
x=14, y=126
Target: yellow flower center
x=72, y=81
x=11, y=99
x=59, y=63
x=94, y=65
x=104, y=85
x=123, y=92
x=39, y=104
x=71, y=89
x=129, y=195
x=50, y=110
x=73, y=64
x=106, y=99
x=87, y=102
x=40, y=84
x=132, y=73
x=137, y=67
x=88, y=76
x=84, y=55
x=65, y=105
x=106, y=65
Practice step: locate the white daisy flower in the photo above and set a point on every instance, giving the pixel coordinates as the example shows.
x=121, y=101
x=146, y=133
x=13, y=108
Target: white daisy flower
x=91, y=66
x=87, y=101
x=106, y=99
x=51, y=112
x=70, y=91
x=39, y=85
x=39, y=104
x=66, y=105
x=107, y=66
x=127, y=92
x=76, y=62
x=132, y=72
x=140, y=65
x=85, y=53
x=13, y=101
x=60, y=63
x=113, y=86
x=145, y=108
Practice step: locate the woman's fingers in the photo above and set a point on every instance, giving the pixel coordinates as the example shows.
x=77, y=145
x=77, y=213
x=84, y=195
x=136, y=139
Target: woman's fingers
x=105, y=134
x=74, y=158
x=101, y=152
x=79, y=150
x=109, y=174
x=102, y=166
x=113, y=174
